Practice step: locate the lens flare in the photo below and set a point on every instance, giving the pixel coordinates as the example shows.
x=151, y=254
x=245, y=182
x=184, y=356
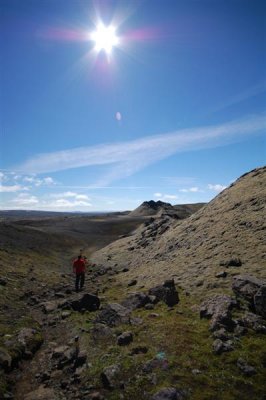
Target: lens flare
x=105, y=38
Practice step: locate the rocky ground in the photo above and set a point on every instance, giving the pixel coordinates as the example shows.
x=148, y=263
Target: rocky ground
x=174, y=310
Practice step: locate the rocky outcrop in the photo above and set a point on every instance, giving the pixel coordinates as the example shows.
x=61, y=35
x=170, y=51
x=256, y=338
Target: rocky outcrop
x=218, y=309
x=136, y=300
x=253, y=290
x=113, y=314
x=166, y=292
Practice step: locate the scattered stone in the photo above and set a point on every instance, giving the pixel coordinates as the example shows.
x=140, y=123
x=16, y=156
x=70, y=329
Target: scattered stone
x=233, y=262
x=220, y=346
x=101, y=331
x=149, y=306
x=218, y=308
x=166, y=292
x=246, y=286
x=58, y=352
x=113, y=314
x=60, y=295
x=221, y=334
x=3, y=282
x=31, y=339
x=222, y=274
x=96, y=396
x=260, y=301
x=136, y=300
x=240, y=330
x=168, y=394
x=124, y=339
x=5, y=359
x=109, y=376
x=65, y=314
x=196, y=371
x=252, y=321
x=41, y=393
x=49, y=306
x=88, y=302
x=154, y=315
x=133, y=282
x=246, y=369
x=139, y=350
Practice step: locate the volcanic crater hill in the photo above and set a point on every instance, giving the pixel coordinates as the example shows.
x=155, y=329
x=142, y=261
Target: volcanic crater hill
x=193, y=251
x=160, y=208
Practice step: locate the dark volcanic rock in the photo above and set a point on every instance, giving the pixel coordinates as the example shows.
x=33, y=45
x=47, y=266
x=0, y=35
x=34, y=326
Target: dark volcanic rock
x=5, y=359
x=3, y=282
x=260, y=301
x=124, y=339
x=252, y=321
x=233, y=262
x=246, y=286
x=109, y=376
x=246, y=369
x=168, y=394
x=136, y=300
x=166, y=292
x=113, y=314
x=220, y=346
x=88, y=302
x=218, y=308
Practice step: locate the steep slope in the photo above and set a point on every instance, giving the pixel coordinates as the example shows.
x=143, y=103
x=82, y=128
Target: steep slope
x=195, y=250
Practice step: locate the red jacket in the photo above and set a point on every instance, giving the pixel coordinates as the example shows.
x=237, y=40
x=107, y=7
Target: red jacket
x=79, y=265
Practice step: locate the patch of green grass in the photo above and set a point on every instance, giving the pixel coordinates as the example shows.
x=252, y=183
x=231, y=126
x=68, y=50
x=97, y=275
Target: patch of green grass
x=190, y=363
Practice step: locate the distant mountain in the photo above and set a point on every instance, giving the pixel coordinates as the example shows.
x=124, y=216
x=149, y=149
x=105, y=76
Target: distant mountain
x=195, y=249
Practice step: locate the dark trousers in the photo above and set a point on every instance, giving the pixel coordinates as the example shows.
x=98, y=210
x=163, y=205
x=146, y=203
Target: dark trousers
x=80, y=279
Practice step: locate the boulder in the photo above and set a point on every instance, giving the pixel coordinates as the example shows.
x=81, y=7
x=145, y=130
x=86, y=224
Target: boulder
x=113, y=314
x=31, y=339
x=166, y=292
x=260, y=301
x=218, y=308
x=110, y=376
x=88, y=302
x=246, y=287
x=133, y=282
x=124, y=339
x=136, y=300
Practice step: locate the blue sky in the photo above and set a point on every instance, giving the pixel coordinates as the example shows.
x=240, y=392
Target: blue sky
x=176, y=111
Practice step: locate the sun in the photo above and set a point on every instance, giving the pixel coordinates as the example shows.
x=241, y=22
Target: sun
x=105, y=38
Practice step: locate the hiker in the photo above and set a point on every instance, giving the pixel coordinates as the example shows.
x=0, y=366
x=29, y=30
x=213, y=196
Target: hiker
x=79, y=267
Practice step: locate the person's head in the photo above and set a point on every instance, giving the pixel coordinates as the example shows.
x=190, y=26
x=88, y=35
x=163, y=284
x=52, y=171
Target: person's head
x=79, y=257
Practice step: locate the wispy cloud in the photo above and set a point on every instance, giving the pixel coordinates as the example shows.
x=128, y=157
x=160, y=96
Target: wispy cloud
x=12, y=188
x=193, y=189
x=242, y=96
x=217, y=187
x=125, y=159
x=165, y=197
